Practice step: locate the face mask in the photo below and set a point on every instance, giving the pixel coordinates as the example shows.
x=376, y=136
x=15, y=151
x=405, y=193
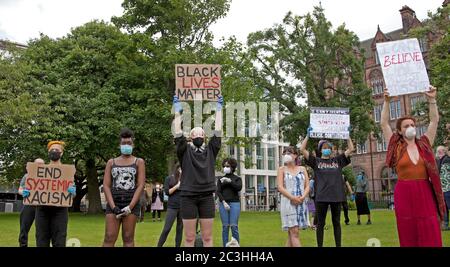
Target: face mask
x=227, y=170
x=326, y=152
x=126, y=149
x=198, y=142
x=287, y=158
x=54, y=155
x=410, y=133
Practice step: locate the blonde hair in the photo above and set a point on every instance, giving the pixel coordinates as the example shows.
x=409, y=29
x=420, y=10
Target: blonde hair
x=196, y=130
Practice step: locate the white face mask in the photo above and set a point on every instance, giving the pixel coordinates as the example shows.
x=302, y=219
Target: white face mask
x=410, y=133
x=226, y=170
x=287, y=158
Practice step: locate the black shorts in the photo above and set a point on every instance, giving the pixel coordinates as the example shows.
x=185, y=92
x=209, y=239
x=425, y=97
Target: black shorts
x=122, y=200
x=201, y=206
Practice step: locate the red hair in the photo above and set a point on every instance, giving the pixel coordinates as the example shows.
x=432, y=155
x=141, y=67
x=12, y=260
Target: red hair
x=399, y=122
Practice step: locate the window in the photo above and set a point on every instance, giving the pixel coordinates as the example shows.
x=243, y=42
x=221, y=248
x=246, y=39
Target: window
x=272, y=182
x=395, y=109
x=231, y=150
x=377, y=59
x=381, y=144
x=423, y=45
x=249, y=183
x=259, y=157
x=271, y=158
x=416, y=101
x=361, y=148
x=377, y=86
x=421, y=130
x=261, y=185
x=377, y=112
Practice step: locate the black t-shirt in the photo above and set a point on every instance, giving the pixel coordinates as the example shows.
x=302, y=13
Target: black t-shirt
x=174, y=199
x=198, y=173
x=328, y=177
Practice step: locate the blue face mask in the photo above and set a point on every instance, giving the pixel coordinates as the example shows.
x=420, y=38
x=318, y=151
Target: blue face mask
x=326, y=152
x=126, y=149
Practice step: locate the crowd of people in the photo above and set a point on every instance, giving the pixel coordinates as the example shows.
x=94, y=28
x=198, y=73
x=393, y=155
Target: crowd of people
x=422, y=193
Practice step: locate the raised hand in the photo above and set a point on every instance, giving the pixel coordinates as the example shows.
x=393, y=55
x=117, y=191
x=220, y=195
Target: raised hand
x=177, y=105
x=309, y=130
x=220, y=103
x=432, y=93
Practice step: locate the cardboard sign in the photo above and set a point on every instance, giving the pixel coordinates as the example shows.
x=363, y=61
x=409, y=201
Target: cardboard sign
x=48, y=184
x=330, y=123
x=197, y=82
x=403, y=67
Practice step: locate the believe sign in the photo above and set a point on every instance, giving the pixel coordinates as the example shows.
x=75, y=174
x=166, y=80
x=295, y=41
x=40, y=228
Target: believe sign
x=403, y=67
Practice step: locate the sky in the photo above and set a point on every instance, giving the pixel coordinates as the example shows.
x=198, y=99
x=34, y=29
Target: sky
x=21, y=20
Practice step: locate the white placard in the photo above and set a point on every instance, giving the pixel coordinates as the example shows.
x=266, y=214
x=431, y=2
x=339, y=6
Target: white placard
x=403, y=67
x=330, y=123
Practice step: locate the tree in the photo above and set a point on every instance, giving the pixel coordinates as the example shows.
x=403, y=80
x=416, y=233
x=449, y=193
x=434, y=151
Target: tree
x=95, y=81
x=437, y=28
x=177, y=31
x=304, y=57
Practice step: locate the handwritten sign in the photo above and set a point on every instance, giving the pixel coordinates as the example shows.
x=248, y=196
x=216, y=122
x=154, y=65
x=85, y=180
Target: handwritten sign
x=197, y=82
x=330, y=123
x=403, y=67
x=48, y=184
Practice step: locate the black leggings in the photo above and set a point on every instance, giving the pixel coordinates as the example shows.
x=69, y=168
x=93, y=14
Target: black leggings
x=321, y=213
x=159, y=214
x=172, y=216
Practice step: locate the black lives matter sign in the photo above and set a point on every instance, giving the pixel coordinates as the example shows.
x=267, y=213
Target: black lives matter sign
x=48, y=184
x=197, y=82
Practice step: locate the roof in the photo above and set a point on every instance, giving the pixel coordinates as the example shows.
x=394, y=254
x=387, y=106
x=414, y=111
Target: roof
x=5, y=43
x=367, y=44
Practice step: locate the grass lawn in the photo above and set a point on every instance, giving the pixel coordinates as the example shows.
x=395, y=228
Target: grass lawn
x=257, y=229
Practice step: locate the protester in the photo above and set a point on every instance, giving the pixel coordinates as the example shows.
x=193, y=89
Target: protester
x=123, y=184
x=443, y=163
x=418, y=190
x=171, y=188
x=328, y=184
x=197, y=161
x=228, y=188
x=51, y=222
x=362, y=204
x=28, y=212
x=157, y=201
x=311, y=205
x=293, y=184
x=347, y=189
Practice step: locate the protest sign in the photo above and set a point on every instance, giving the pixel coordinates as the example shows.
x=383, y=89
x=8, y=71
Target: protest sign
x=48, y=184
x=403, y=67
x=197, y=82
x=330, y=123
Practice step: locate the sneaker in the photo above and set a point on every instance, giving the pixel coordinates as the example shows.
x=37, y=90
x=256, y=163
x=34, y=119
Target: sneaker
x=369, y=222
x=358, y=223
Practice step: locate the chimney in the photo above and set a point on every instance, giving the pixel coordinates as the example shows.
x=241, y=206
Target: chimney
x=408, y=17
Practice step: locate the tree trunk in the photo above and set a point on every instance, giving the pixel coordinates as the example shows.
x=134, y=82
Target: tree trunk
x=95, y=205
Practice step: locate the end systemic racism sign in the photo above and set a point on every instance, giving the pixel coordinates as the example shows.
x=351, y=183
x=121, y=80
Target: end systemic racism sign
x=197, y=82
x=403, y=67
x=48, y=184
x=330, y=123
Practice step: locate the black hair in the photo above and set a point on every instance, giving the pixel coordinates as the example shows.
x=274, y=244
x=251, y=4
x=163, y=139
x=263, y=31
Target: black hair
x=126, y=133
x=232, y=162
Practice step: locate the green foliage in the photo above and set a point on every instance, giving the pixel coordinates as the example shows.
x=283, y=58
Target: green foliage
x=304, y=57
